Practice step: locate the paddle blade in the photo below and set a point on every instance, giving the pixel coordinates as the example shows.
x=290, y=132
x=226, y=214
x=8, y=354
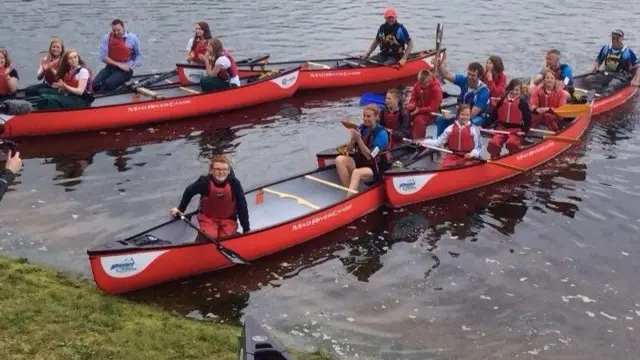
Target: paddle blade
x=572, y=110
x=348, y=124
x=372, y=98
x=232, y=256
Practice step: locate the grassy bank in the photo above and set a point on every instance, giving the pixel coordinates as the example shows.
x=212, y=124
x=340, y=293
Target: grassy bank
x=46, y=314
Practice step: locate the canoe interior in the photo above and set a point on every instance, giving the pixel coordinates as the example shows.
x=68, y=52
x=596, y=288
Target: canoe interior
x=273, y=210
x=339, y=63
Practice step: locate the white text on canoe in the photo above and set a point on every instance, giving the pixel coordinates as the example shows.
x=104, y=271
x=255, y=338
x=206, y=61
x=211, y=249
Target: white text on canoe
x=321, y=218
x=160, y=105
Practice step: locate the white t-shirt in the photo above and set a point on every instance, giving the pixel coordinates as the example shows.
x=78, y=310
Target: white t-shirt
x=224, y=63
x=190, y=44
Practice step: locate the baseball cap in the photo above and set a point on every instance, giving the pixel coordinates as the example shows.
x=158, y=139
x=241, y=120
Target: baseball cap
x=617, y=32
x=390, y=12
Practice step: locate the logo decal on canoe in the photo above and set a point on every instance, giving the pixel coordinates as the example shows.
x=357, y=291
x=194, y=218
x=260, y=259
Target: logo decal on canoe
x=159, y=105
x=534, y=151
x=122, y=266
x=407, y=185
x=286, y=81
x=318, y=74
x=321, y=218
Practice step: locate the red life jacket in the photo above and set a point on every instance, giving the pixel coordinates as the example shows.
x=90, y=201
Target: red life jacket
x=118, y=50
x=232, y=71
x=460, y=139
x=509, y=111
x=220, y=203
x=549, y=99
x=368, y=141
x=70, y=79
x=50, y=76
x=199, y=48
x=4, y=84
x=390, y=120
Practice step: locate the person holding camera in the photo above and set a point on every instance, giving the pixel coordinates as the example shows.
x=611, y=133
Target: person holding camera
x=11, y=168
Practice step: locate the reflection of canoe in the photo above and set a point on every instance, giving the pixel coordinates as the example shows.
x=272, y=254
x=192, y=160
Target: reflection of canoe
x=282, y=215
x=256, y=343
x=327, y=73
x=173, y=102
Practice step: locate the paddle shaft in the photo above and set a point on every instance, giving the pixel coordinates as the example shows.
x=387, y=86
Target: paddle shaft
x=228, y=253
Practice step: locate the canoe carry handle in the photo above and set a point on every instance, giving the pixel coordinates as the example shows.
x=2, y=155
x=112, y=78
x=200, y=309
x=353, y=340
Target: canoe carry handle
x=330, y=184
x=300, y=200
x=147, y=92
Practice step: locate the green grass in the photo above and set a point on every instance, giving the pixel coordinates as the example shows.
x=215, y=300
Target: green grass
x=46, y=314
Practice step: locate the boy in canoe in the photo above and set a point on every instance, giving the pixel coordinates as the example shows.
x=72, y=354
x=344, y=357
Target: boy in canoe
x=394, y=118
x=222, y=200
x=392, y=38
x=371, y=142
x=426, y=96
x=462, y=137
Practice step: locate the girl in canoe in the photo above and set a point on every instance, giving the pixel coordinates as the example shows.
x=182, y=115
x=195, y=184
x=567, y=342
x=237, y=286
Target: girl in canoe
x=47, y=72
x=222, y=71
x=461, y=137
x=494, y=76
x=222, y=200
x=511, y=114
x=73, y=85
x=394, y=118
x=8, y=77
x=371, y=142
x=544, y=98
x=198, y=43
x=426, y=96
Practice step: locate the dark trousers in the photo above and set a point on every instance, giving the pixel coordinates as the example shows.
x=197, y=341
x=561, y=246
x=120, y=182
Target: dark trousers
x=110, y=78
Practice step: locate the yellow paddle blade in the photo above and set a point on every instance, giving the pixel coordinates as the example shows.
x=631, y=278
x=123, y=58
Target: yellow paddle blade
x=563, y=139
x=572, y=110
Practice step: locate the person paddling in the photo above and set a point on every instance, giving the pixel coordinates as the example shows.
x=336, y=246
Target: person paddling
x=511, y=114
x=494, y=76
x=8, y=77
x=47, y=72
x=394, y=41
x=371, y=144
x=562, y=72
x=394, y=118
x=120, y=51
x=222, y=71
x=473, y=92
x=222, y=201
x=198, y=43
x=461, y=137
x=426, y=96
x=618, y=59
x=544, y=98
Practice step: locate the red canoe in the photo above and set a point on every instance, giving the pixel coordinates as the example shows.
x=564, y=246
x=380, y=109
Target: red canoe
x=327, y=73
x=130, y=109
x=282, y=215
x=603, y=104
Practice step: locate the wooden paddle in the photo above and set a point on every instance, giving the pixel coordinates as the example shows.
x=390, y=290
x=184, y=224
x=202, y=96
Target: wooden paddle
x=551, y=135
x=511, y=167
x=436, y=64
x=571, y=110
x=349, y=125
x=233, y=256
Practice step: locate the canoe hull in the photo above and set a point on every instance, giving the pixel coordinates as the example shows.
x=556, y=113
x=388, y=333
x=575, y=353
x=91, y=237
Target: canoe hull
x=148, y=111
x=121, y=270
x=318, y=78
x=410, y=187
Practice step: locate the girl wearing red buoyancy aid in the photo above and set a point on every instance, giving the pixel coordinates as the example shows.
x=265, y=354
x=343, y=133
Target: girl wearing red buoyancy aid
x=47, y=72
x=8, y=76
x=222, y=71
x=513, y=115
x=394, y=118
x=545, y=97
x=74, y=86
x=372, y=144
x=222, y=200
x=426, y=96
x=197, y=45
x=461, y=137
x=494, y=76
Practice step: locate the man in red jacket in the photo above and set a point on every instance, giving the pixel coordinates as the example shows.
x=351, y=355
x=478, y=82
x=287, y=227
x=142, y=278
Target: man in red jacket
x=426, y=96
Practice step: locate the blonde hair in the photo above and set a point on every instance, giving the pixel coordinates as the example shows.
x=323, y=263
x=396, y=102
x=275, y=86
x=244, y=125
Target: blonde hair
x=54, y=41
x=219, y=159
x=423, y=74
x=7, y=60
x=373, y=108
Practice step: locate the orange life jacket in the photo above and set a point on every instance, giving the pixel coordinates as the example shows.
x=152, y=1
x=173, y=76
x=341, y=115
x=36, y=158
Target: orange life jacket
x=460, y=139
x=219, y=203
x=509, y=111
x=118, y=50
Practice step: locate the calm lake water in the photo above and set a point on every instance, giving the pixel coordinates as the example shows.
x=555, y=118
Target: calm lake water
x=541, y=267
